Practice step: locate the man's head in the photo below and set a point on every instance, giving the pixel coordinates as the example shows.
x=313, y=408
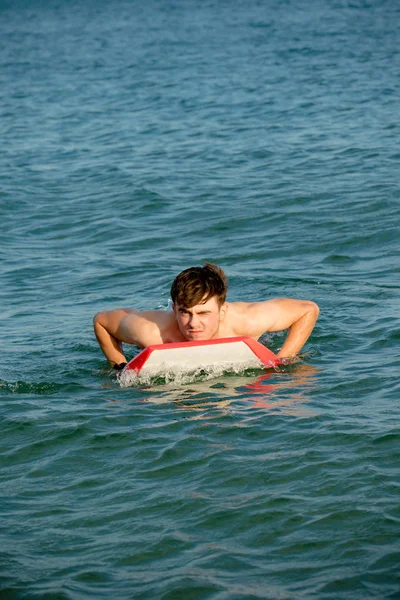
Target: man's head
x=198, y=284
x=198, y=295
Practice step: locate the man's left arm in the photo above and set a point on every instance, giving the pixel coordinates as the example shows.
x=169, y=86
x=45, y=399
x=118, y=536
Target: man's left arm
x=298, y=316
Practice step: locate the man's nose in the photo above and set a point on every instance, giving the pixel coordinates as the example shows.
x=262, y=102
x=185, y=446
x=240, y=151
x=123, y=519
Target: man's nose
x=194, y=320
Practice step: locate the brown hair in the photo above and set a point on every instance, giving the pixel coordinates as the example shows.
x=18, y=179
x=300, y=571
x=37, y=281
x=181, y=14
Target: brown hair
x=198, y=284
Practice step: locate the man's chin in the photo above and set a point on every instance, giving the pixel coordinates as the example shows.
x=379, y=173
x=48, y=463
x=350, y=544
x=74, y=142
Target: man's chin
x=195, y=336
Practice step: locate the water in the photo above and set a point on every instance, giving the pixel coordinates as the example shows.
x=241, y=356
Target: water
x=138, y=139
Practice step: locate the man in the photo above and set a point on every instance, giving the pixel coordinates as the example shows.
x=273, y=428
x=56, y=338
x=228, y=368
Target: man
x=200, y=312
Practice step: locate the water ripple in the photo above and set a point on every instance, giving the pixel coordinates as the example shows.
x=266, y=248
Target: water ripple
x=137, y=139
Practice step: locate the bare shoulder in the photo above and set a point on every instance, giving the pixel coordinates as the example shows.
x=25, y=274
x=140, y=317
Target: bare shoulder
x=253, y=308
x=146, y=328
x=272, y=306
x=276, y=314
x=142, y=328
x=251, y=318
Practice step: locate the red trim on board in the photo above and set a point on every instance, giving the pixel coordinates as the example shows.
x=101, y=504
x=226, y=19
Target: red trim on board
x=137, y=363
x=266, y=356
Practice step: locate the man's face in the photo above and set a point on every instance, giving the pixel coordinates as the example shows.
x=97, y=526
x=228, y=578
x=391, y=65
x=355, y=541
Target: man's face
x=200, y=322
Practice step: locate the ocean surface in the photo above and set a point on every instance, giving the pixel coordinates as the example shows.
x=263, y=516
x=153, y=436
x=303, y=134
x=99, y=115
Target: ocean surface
x=139, y=138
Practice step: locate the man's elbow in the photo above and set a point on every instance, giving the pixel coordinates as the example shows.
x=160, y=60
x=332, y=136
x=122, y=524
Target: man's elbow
x=98, y=320
x=313, y=310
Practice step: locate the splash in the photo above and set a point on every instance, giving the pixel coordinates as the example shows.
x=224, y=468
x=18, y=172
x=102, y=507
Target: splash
x=182, y=375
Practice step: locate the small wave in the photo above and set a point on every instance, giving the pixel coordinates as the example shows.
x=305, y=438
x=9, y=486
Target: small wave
x=23, y=387
x=182, y=375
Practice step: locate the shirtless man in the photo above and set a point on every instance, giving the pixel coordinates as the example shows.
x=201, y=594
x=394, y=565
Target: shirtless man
x=200, y=312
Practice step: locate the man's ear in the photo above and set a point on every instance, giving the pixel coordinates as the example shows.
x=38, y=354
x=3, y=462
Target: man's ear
x=223, y=311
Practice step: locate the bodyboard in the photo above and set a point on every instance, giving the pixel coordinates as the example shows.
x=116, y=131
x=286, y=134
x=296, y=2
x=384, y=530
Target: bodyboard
x=237, y=352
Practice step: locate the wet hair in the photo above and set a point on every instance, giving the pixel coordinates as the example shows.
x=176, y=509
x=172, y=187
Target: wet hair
x=196, y=285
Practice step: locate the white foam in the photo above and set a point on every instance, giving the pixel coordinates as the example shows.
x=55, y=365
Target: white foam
x=172, y=373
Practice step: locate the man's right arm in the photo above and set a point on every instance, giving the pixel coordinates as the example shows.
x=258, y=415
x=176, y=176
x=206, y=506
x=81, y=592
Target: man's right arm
x=106, y=328
x=129, y=326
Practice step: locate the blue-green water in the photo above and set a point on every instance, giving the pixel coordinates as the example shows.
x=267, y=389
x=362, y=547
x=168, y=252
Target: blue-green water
x=137, y=139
